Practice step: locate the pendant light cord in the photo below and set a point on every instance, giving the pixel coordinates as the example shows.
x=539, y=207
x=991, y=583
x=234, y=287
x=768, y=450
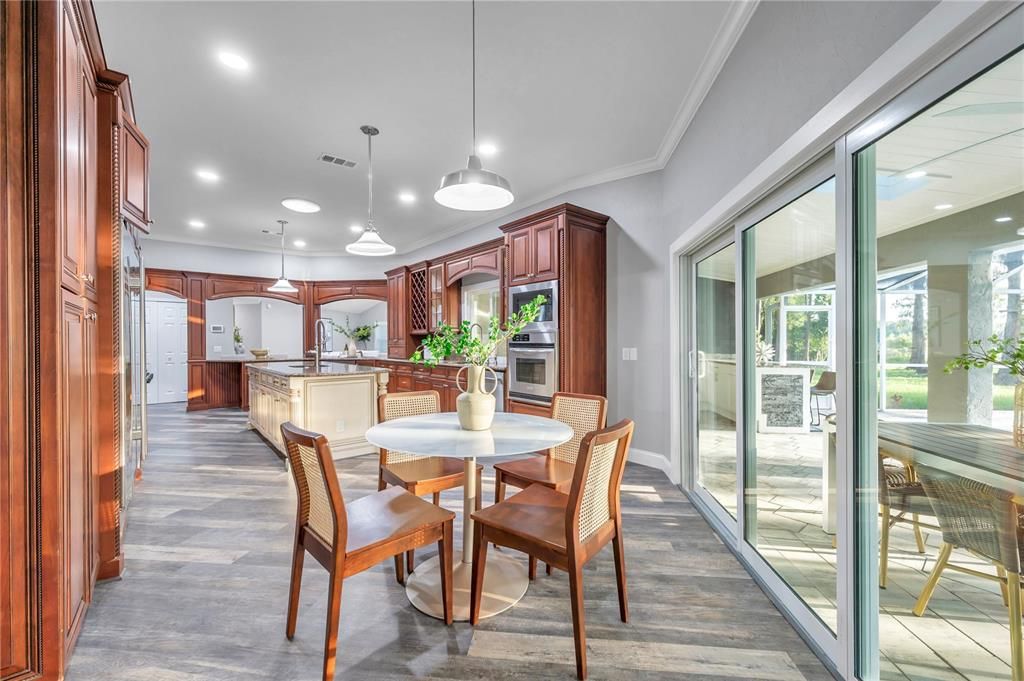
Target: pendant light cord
x=282, y=223
x=369, y=176
x=474, y=75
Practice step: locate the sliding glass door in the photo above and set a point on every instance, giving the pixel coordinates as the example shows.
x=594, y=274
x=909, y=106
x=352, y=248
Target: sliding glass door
x=712, y=368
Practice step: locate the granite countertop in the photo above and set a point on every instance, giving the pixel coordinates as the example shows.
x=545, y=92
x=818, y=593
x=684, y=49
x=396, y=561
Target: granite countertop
x=455, y=365
x=249, y=358
x=308, y=370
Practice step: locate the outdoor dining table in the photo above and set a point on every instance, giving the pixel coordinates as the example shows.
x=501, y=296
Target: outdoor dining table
x=980, y=453
x=505, y=580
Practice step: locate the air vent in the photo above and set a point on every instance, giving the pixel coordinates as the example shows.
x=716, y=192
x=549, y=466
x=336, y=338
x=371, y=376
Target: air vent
x=337, y=160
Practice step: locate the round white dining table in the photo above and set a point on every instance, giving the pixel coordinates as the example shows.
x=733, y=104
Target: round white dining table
x=505, y=580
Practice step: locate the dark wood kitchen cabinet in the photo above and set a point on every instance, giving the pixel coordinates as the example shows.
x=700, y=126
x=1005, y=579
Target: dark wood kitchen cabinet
x=135, y=175
x=401, y=343
x=533, y=251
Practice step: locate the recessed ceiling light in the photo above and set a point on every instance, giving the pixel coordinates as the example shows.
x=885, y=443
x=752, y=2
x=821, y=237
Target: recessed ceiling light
x=356, y=228
x=407, y=197
x=914, y=174
x=487, y=149
x=1005, y=218
x=235, y=62
x=196, y=224
x=299, y=243
x=207, y=175
x=943, y=206
x=301, y=205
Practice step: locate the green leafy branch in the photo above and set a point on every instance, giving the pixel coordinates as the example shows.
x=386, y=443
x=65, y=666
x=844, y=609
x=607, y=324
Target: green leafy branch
x=995, y=351
x=360, y=334
x=475, y=347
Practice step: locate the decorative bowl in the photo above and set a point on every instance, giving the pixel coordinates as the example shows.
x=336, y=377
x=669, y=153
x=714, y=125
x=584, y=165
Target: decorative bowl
x=259, y=352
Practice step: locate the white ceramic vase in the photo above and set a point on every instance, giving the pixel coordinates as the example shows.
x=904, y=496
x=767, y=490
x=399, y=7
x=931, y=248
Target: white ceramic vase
x=475, y=405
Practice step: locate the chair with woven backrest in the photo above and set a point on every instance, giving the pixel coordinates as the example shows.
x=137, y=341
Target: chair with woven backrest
x=985, y=521
x=555, y=467
x=899, y=494
x=417, y=474
x=564, y=529
x=349, y=538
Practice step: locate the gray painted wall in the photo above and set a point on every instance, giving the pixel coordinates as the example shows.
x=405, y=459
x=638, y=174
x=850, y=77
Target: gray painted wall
x=793, y=58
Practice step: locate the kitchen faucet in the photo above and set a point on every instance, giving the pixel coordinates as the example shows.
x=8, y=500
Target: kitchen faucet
x=320, y=332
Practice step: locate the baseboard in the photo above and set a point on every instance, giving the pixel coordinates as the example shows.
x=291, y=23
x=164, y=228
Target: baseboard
x=653, y=460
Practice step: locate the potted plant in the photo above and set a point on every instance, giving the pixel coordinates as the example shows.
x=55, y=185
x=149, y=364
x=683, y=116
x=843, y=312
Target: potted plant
x=239, y=347
x=361, y=334
x=1000, y=352
x=475, y=405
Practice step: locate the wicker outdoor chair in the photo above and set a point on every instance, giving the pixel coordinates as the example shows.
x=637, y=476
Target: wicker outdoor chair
x=899, y=494
x=985, y=521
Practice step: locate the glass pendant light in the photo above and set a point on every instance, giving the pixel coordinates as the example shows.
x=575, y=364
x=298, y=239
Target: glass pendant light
x=473, y=188
x=370, y=243
x=282, y=285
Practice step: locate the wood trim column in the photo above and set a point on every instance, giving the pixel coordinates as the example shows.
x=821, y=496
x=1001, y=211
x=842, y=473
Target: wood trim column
x=195, y=295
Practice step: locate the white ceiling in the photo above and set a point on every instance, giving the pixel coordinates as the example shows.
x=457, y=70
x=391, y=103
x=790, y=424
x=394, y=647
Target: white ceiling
x=571, y=92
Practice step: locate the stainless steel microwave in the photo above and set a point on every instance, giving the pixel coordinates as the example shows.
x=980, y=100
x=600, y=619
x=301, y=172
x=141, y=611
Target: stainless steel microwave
x=521, y=295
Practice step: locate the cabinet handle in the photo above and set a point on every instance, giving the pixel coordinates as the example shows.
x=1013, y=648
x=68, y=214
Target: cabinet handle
x=92, y=316
x=87, y=278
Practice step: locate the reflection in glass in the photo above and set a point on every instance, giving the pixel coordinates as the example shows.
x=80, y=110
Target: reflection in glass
x=940, y=203
x=366, y=314
x=789, y=268
x=715, y=368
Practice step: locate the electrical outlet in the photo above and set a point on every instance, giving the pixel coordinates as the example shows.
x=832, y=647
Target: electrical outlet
x=629, y=354
x=339, y=426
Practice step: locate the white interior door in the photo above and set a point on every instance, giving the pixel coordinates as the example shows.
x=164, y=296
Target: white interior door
x=167, y=351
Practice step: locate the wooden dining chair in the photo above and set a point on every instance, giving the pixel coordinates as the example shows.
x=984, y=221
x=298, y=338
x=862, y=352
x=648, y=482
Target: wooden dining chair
x=554, y=468
x=986, y=522
x=563, y=529
x=349, y=538
x=418, y=475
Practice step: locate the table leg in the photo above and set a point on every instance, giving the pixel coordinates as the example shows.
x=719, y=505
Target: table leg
x=469, y=492
x=505, y=578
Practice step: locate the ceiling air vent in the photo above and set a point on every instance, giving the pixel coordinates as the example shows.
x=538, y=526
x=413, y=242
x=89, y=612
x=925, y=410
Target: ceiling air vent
x=337, y=160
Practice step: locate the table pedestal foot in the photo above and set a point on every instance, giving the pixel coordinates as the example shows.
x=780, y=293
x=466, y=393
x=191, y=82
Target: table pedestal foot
x=505, y=583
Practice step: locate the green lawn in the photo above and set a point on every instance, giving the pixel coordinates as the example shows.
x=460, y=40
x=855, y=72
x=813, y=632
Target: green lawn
x=913, y=391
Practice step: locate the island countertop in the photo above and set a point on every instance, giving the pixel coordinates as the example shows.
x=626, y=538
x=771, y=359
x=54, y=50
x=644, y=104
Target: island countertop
x=308, y=370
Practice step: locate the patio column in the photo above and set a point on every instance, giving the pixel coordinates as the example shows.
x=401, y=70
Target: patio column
x=959, y=309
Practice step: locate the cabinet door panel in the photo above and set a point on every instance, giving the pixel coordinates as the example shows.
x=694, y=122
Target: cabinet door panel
x=89, y=269
x=71, y=191
x=520, y=265
x=134, y=178
x=545, y=251
x=75, y=464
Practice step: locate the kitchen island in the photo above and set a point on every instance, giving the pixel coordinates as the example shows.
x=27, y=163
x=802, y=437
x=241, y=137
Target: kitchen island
x=335, y=398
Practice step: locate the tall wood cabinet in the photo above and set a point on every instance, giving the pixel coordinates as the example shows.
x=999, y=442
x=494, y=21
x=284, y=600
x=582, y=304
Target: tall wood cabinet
x=567, y=243
x=56, y=242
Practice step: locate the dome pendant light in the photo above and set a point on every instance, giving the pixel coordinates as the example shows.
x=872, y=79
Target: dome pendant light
x=370, y=243
x=282, y=285
x=474, y=188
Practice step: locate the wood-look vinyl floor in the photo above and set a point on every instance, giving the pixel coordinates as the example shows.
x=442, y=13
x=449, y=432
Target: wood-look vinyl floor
x=208, y=544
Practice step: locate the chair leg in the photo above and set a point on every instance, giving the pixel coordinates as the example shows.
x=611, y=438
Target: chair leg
x=399, y=570
x=620, y=574
x=547, y=568
x=333, y=618
x=409, y=555
x=532, y=572
x=444, y=551
x=883, y=551
x=479, y=489
x=578, y=625
x=437, y=499
x=933, y=579
x=1001, y=574
x=918, y=537
x=476, y=590
x=499, y=487
x=298, y=557
x=1016, y=645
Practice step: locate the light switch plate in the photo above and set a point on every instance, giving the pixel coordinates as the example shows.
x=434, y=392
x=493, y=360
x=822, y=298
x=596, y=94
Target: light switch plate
x=216, y=348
